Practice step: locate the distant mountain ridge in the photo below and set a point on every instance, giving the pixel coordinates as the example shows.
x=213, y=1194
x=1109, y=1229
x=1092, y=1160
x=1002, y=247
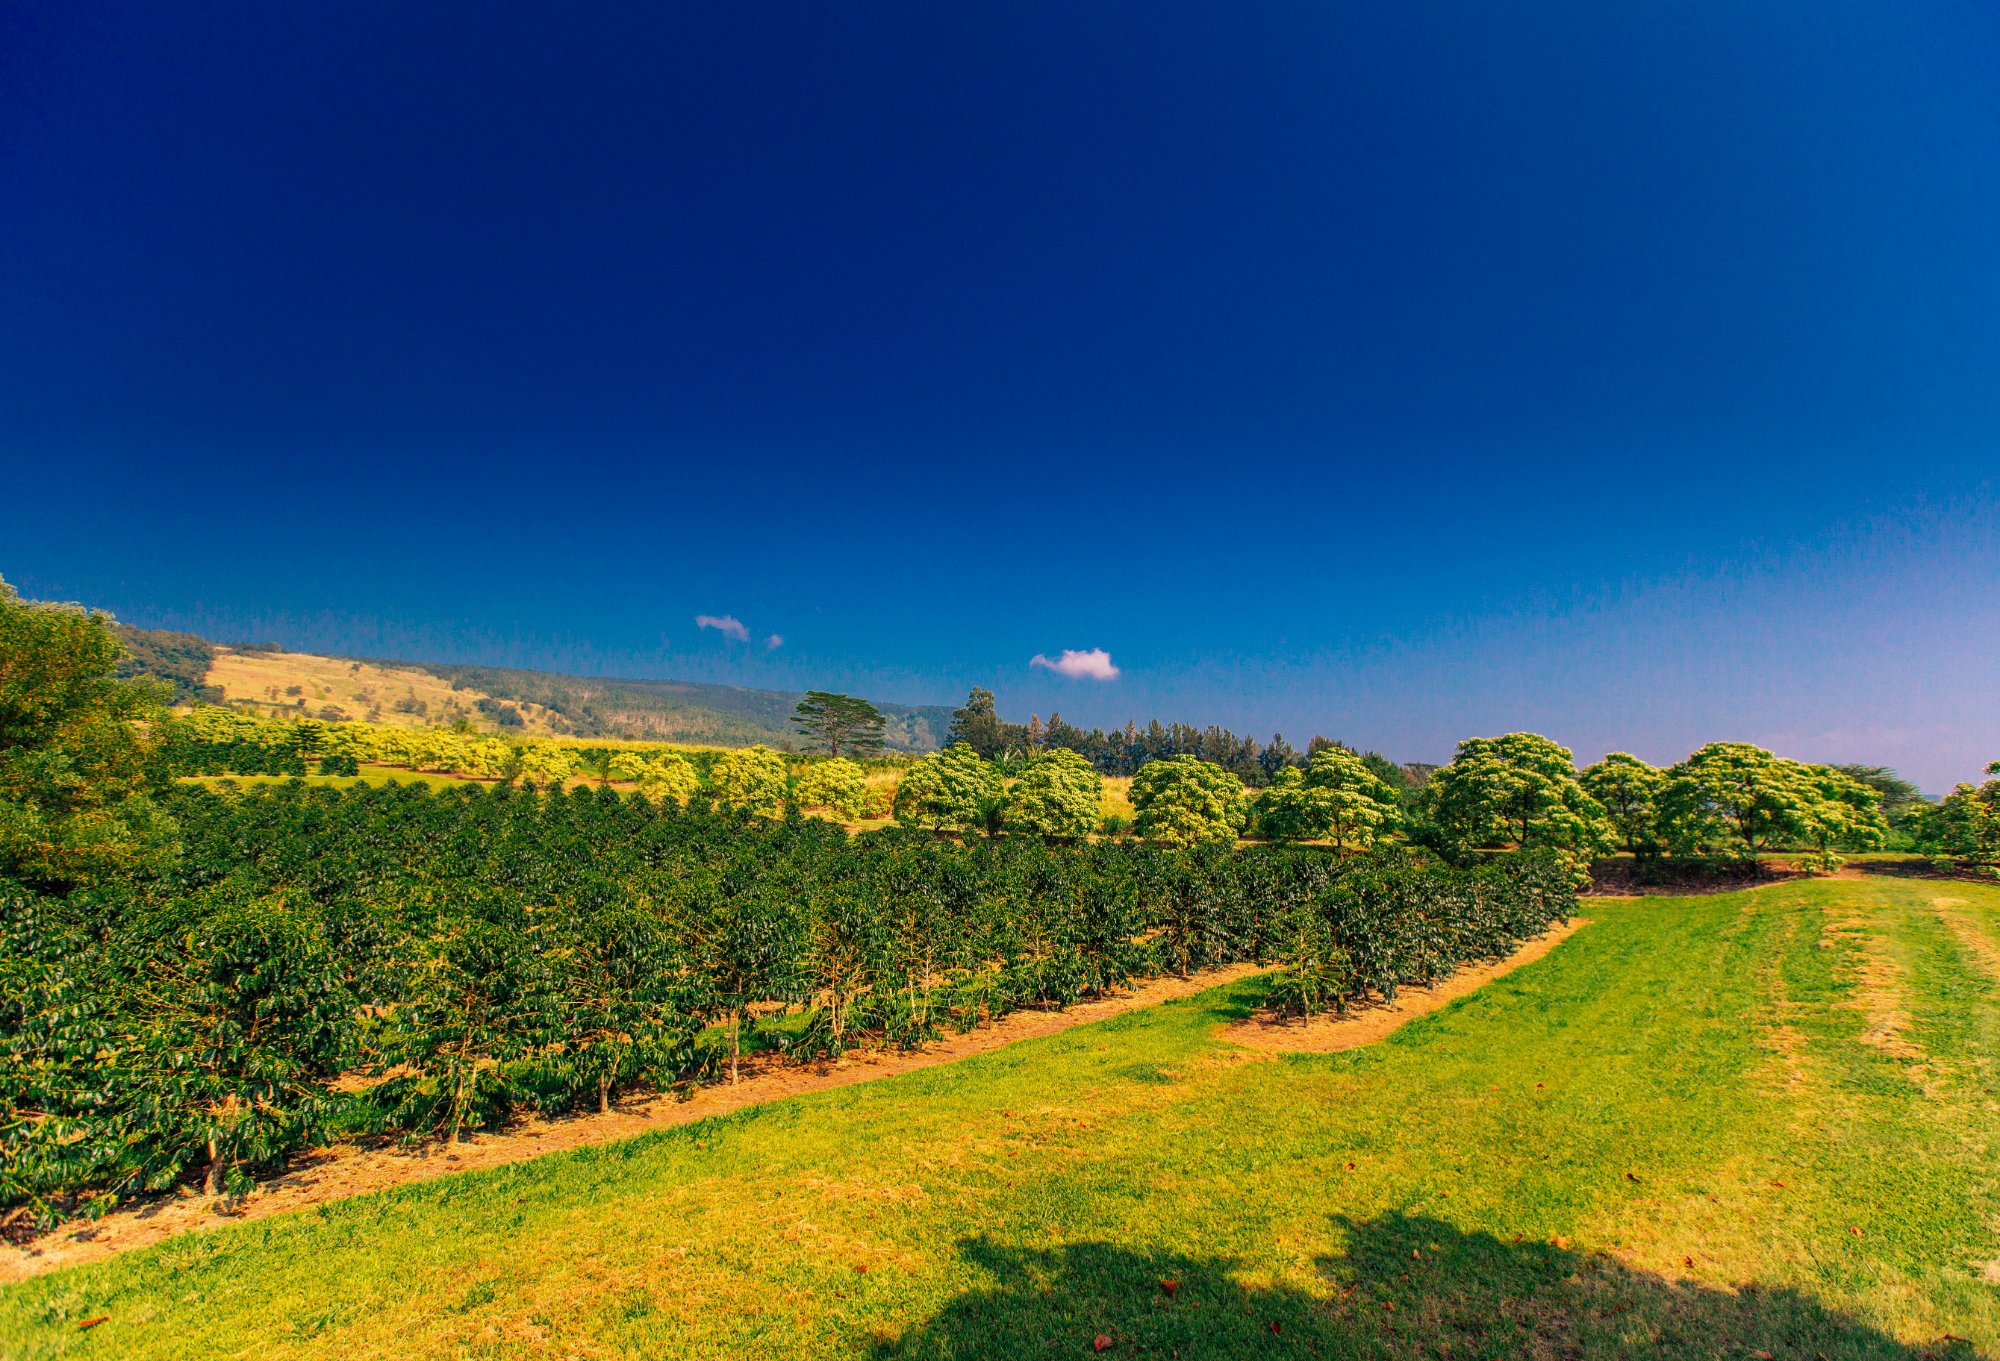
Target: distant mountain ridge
x=677, y=711
x=199, y=671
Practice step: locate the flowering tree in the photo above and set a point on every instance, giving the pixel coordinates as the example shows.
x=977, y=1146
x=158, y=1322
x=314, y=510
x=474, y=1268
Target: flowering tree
x=1186, y=801
x=1058, y=795
x=954, y=789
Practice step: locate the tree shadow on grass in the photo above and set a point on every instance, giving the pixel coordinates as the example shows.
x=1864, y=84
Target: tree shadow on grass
x=1242, y=999
x=1407, y=1286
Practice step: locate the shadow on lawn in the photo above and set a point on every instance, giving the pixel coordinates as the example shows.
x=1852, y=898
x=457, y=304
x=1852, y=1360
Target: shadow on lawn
x=1407, y=1286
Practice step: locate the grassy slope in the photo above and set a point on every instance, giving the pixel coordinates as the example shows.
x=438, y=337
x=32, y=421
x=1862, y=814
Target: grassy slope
x=682, y=712
x=362, y=690
x=1531, y=1172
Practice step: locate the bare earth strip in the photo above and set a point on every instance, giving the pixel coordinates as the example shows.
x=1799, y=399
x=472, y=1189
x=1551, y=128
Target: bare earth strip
x=1966, y=927
x=1878, y=990
x=1329, y=1034
x=335, y=1173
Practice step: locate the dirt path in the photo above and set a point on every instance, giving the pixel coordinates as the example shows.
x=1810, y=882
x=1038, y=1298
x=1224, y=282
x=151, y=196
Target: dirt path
x=1329, y=1034
x=335, y=1173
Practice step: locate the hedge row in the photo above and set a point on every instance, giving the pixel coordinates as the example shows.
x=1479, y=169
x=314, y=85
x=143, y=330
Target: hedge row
x=323, y=962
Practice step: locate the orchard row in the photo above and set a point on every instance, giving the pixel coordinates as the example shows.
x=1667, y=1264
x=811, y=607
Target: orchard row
x=306, y=962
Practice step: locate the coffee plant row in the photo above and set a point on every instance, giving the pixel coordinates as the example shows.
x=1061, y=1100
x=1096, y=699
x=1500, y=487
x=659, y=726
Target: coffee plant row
x=319, y=963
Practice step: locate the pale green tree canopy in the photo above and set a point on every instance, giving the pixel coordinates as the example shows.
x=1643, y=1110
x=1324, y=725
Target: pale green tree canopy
x=1839, y=811
x=1520, y=789
x=836, y=784
x=1731, y=794
x=659, y=774
x=1360, y=805
x=1629, y=789
x=1186, y=801
x=954, y=789
x=627, y=765
x=1059, y=794
x=543, y=761
x=750, y=778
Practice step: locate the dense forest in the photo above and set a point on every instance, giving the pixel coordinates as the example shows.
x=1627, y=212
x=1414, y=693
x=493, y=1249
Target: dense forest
x=180, y=661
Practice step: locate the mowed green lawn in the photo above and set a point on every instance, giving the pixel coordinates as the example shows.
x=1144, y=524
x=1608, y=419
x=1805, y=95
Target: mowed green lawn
x=1757, y=1123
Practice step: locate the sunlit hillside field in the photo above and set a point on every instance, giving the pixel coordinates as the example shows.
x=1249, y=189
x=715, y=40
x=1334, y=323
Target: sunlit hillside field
x=1757, y=1123
x=286, y=684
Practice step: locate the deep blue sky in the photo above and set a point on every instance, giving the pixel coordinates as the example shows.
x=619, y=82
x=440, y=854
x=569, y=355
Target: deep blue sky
x=1402, y=373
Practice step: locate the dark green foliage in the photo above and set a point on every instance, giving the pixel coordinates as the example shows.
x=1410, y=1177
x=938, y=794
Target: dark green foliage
x=1963, y=826
x=844, y=725
x=978, y=725
x=73, y=756
x=192, y=756
x=506, y=715
x=471, y=952
x=1123, y=751
x=1898, y=795
x=179, y=660
x=141, y=1047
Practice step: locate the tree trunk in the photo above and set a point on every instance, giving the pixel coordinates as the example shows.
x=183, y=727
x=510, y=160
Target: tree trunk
x=735, y=1043
x=603, y=1093
x=212, y=1184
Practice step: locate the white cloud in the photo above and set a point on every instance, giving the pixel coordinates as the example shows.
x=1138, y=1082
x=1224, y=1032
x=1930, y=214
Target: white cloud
x=774, y=642
x=728, y=625
x=1092, y=665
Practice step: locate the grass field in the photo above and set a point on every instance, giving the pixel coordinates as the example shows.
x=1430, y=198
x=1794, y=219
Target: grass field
x=1758, y=1123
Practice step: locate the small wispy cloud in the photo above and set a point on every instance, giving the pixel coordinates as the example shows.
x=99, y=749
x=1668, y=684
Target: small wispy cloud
x=1094, y=664
x=774, y=642
x=728, y=625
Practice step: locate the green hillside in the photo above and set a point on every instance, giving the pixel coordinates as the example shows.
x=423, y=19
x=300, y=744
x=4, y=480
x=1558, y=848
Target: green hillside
x=199, y=670
x=676, y=711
